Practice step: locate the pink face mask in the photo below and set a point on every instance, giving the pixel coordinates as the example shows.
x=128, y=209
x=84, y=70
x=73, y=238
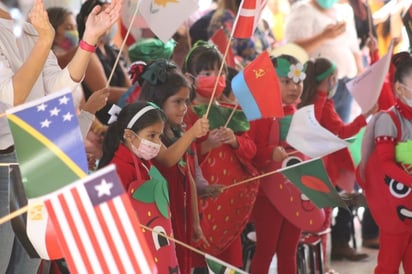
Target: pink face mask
x=205, y=85
x=146, y=150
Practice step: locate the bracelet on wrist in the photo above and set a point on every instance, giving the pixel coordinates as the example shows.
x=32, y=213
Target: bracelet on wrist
x=86, y=46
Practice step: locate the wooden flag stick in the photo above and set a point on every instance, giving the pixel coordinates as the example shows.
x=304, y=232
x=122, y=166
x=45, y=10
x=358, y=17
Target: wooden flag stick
x=18, y=212
x=259, y=176
x=223, y=62
x=174, y=240
x=123, y=43
x=231, y=114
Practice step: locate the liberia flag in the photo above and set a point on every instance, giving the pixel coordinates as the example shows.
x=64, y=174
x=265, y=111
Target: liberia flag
x=257, y=89
x=97, y=227
x=248, y=18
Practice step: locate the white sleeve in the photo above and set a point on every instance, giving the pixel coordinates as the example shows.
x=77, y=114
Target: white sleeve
x=55, y=78
x=85, y=121
x=6, y=80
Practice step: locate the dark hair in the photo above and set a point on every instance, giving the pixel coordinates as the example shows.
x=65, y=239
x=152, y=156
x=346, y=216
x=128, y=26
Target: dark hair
x=57, y=15
x=231, y=73
x=202, y=56
x=85, y=10
x=115, y=132
x=403, y=65
x=158, y=92
x=314, y=69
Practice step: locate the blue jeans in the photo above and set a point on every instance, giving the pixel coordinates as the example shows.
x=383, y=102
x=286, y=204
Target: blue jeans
x=343, y=100
x=13, y=257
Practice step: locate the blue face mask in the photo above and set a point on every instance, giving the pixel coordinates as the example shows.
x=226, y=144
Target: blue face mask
x=326, y=4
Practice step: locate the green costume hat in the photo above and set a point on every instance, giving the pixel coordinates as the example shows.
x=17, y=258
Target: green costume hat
x=150, y=49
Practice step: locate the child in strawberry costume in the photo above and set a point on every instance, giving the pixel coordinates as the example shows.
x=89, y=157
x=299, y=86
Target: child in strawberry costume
x=279, y=212
x=172, y=96
x=225, y=156
x=385, y=172
x=130, y=143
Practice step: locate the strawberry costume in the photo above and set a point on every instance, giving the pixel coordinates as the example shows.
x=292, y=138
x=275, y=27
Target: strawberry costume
x=280, y=211
x=386, y=180
x=223, y=218
x=149, y=195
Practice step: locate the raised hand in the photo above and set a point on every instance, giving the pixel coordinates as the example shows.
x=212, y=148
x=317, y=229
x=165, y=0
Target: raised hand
x=100, y=20
x=39, y=18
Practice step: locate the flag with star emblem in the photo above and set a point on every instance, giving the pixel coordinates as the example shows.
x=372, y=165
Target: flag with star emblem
x=97, y=227
x=257, y=89
x=51, y=154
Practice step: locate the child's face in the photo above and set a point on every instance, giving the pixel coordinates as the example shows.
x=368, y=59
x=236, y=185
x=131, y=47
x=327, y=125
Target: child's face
x=151, y=133
x=290, y=90
x=405, y=88
x=175, y=107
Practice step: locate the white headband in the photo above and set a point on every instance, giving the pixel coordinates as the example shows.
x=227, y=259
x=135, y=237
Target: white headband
x=138, y=115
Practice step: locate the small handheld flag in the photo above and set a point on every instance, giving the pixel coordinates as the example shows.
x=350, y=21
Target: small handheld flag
x=257, y=89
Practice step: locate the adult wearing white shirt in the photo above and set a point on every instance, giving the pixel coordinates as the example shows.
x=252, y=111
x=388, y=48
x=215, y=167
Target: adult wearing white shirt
x=28, y=70
x=325, y=28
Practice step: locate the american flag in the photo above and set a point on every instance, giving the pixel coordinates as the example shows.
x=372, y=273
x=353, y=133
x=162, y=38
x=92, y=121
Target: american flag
x=248, y=18
x=97, y=227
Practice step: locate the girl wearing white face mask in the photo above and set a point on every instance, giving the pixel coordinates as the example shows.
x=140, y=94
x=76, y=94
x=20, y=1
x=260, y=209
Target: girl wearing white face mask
x=385, y=172
x=130, y=143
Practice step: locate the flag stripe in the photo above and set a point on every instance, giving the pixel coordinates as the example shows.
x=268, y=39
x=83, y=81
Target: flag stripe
x=125, y=222
x=245, y=97
x=68, y=213
x=45, y=141
x=248, y=12
x=36, y=225
x=121, y=241
x=112, y=246
x=68, y=243
x=69, y=204
x=95, y=229
x=87, y=225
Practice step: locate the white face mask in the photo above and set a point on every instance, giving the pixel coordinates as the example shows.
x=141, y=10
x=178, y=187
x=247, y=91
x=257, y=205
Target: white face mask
x=146, y=150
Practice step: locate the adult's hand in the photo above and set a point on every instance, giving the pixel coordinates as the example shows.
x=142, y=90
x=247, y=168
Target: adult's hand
x=101, y=20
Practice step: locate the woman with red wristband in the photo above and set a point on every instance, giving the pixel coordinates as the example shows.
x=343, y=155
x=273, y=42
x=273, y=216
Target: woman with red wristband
x=101, y=65
x=27, y=72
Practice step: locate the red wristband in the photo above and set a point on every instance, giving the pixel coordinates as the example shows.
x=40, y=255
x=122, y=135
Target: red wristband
x=86, y=46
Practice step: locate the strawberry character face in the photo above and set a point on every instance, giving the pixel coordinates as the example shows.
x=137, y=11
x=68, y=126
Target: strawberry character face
x=401, y=200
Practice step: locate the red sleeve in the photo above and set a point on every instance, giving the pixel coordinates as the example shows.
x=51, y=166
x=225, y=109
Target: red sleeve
x=259, y=132
x=126, y=174
x=385, y=150
x=331, y=120
x=247, y=148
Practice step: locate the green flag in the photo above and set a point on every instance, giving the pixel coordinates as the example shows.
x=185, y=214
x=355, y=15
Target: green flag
x=355, y=146
x=48, y=143
x=312, y=180
x=217, y=266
